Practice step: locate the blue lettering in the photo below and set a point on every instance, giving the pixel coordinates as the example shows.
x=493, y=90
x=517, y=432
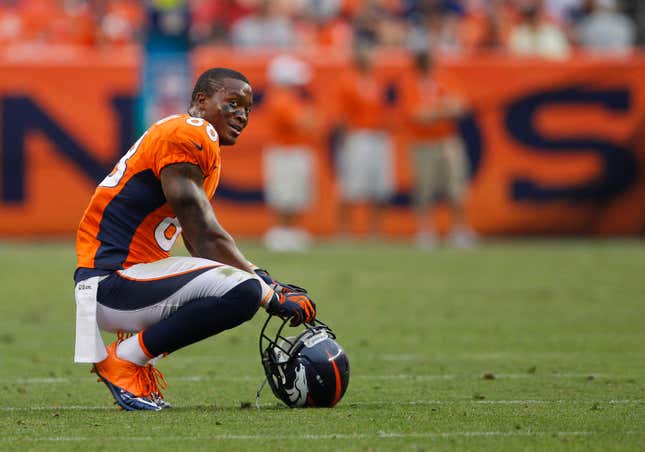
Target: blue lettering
x=22, y=115
x=620, y=170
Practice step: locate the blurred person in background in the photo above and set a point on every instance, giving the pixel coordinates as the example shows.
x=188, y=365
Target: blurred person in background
x=604, y=29
x=562, y=10
x=438, y=157
x=270, y=25
x=365, y=160
x=12, y=24
x=120, y=22
x=379, y=22
x=211, y=20
x=289, y=174
x=324, y=25
x=486, y=25
x=70, y=22
x=59, y=22
x=442, y=27
x=166, y=71
x=535, y=35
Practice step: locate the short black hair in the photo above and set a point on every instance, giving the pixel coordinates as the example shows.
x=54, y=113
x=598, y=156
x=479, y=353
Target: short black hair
x=211, y=79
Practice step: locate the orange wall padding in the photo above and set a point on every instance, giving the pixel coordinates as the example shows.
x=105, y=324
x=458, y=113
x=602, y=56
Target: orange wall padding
x=558, y=147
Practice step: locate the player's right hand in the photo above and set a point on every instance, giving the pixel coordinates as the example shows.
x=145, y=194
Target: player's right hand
x=293, y=305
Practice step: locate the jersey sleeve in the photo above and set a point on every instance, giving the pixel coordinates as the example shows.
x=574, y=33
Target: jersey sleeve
x=187, y=144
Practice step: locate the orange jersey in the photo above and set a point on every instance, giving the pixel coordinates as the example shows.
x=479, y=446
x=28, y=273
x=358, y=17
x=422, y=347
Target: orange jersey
x=128, y=220
x=286, y=113
x=421, y=93
x=362, y=101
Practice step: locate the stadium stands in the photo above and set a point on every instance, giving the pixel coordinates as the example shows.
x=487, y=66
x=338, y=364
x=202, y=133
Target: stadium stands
x=453, y=26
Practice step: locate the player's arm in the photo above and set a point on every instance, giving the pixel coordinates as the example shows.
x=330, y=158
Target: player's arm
x=188, y=246
x=205, y=237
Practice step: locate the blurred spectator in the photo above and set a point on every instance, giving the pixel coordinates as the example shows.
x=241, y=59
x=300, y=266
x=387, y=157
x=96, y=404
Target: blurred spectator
x=562, y=10
x=487, y=25
x=604, y=29
x=58, y=22
x=438, y=158
x=378, y=22
x=324, y=25
x=289, y=176
x=534, y=27
x=444, y=32
x=167, y=26
x=212, y=19
x=11, y=23
x=365, y=159
x=166, y=69
x=70, y=22
x=121, y=22
x=534, y=35
x=267, y=26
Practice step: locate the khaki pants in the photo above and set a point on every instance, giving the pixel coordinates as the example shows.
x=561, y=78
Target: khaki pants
x=439, y=167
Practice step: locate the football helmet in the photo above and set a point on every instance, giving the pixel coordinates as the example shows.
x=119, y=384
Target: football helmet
x=307, y=370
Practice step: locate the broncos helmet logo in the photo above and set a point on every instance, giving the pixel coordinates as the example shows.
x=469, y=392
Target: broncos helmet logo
x=298, y=394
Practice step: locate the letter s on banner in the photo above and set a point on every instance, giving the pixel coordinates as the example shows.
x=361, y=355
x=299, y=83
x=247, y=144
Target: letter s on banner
x=166, y=233
x=619, y=170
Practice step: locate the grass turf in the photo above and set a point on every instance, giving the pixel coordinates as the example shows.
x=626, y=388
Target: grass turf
x=514, y=345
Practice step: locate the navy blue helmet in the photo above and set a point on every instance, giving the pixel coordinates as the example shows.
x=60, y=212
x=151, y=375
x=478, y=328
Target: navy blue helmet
x=308, y=370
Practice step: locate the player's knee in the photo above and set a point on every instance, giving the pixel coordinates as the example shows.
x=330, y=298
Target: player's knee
x=246, y=298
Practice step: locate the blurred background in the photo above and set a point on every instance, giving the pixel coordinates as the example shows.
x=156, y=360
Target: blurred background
x=406, y=120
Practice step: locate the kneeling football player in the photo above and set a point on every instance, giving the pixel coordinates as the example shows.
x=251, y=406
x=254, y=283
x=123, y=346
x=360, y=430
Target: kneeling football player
x=126, y=281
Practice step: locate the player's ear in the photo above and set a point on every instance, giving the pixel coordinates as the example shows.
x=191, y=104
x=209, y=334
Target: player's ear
x=200, y=99
x=198, y=106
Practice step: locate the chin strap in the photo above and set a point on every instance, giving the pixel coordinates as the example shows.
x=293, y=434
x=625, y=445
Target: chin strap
x=257, y=394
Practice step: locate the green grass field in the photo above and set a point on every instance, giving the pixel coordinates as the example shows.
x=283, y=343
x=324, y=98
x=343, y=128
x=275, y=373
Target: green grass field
x=516, y=345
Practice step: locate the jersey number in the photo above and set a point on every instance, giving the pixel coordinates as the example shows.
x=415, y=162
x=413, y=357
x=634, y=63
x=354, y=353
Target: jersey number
x=166, y=233
x=113, y=179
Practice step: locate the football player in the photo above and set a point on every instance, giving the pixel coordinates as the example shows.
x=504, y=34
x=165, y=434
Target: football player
x=126, y=281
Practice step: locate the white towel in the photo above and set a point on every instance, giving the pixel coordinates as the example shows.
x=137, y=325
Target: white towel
x=89, y=347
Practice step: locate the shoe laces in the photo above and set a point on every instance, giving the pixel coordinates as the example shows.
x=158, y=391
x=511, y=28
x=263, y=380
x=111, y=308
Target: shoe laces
x=148, y=377
x=154, y=381
x=123, y=335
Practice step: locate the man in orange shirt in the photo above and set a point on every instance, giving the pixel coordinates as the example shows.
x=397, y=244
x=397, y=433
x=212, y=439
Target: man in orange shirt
x=438, y=157
x=365, y=160
x=288, y=157
x=126, y=281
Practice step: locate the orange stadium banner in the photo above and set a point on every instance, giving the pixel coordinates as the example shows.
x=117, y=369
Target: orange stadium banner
x=554, y=147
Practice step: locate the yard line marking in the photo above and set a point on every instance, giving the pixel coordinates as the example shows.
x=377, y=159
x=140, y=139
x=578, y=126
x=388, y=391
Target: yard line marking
x=419, y=377
x=365, y=403
x=478, y=376
x=378, y=435
x=327, y=436
x=58, y=408
x=495, y=402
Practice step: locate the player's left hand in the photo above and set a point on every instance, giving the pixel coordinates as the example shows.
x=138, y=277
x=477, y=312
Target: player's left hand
x=295, y=305
x=277, y=285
